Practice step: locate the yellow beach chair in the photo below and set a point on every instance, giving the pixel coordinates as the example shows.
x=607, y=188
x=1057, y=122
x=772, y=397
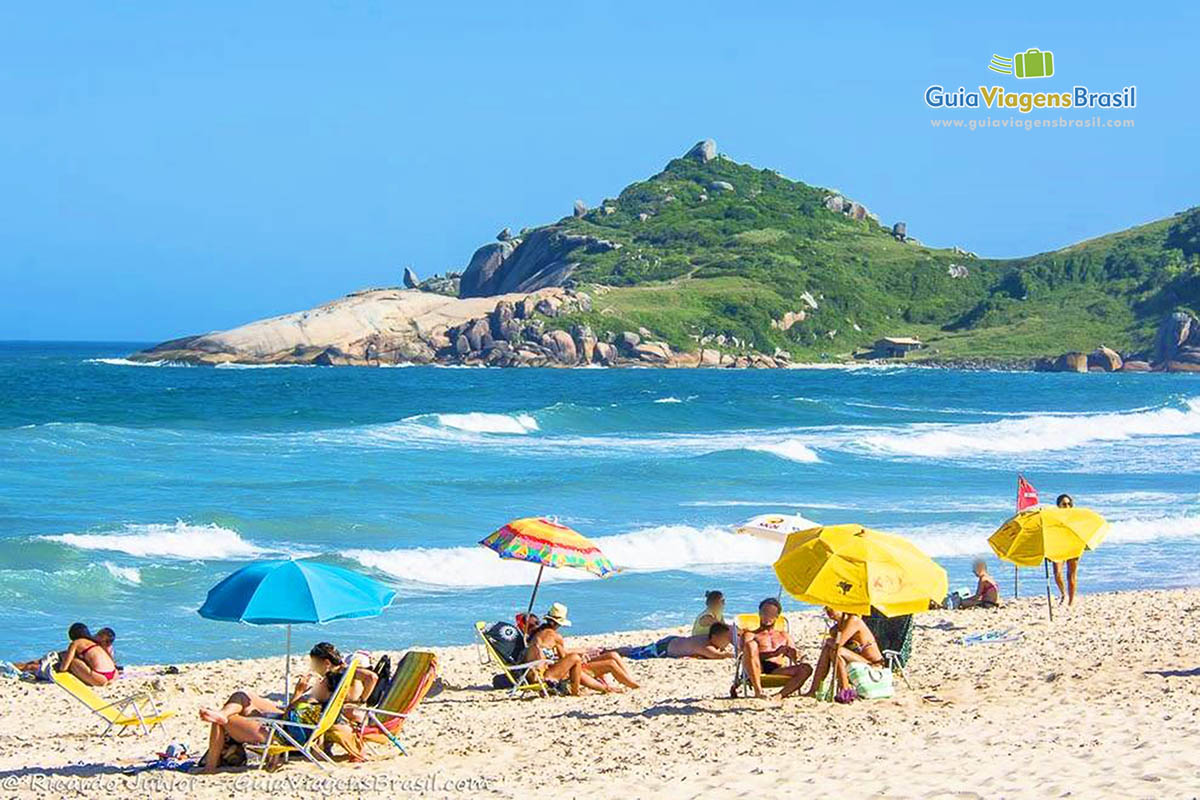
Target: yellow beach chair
x=415, y=676
x=281, y=737
x=750, y=622
x=137, y=712
x=523, y=678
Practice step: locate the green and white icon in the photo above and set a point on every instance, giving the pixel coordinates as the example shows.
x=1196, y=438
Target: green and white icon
x=1033, y=63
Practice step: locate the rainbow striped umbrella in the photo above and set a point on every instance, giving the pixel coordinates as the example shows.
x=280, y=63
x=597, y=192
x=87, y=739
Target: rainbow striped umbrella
x=550, y=544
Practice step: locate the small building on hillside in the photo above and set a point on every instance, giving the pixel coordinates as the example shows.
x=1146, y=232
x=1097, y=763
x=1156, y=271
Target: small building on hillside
x=896, y=346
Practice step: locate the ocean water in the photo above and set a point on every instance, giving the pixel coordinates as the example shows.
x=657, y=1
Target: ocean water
x=127, y=491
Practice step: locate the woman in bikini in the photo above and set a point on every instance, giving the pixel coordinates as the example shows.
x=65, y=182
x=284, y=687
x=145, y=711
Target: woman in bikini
x=88, y=659
x=849, y=640
x=239, y=721
x=546, y=644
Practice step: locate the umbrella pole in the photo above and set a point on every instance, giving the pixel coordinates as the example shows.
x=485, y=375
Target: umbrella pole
x=287, y=666
x=1016, y=581
x=538, y=583
x=1049, y=607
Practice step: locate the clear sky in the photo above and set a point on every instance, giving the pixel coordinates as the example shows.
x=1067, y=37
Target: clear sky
x=173, y=168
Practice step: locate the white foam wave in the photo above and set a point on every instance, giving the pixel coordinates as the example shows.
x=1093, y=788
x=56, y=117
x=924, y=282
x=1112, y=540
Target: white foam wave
x=1037, y=433
x=654, y=549
x=234, y=365
x=126, y=574
x=179, y=540
x=125, y=362
x=480, y=422
x=791, y=449
x=668, y=400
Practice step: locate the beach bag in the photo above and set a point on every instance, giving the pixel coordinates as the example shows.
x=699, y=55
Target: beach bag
x=871, y=682
x=507, y=641
x=383, y=668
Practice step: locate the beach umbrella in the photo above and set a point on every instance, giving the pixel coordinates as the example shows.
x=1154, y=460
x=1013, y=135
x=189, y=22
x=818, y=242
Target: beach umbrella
x=774, y=527
x=851, y=568
x=294, y=592
x=548, y=543
x=1047, y=533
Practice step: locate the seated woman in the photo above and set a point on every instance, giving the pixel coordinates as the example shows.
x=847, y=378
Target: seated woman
x=89, y=659
x=714, y=611
x=546, y=643
x=987, y=591
x=849, y=640
x=240, y=719
x=598, y=661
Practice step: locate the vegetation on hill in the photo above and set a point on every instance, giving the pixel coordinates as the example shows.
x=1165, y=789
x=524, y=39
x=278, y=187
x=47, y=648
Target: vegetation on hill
x=697, y=259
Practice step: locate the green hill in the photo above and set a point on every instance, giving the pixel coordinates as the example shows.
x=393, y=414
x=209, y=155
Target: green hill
x=712, y=248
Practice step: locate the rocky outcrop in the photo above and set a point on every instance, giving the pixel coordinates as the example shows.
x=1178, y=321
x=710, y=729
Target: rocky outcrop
x=1177, y=344
x=721, y=186
x=411, y=281
x=1071, y=362
x=540, y=260
x=1105, y=359
x=703, y=151
x=381, y=326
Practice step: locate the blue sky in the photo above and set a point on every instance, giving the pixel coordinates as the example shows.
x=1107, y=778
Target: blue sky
x=173, y=168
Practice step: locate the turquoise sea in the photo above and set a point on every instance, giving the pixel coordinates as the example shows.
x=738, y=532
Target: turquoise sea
x=127, y=491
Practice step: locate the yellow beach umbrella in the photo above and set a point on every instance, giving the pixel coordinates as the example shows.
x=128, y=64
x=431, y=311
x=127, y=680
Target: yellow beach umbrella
x=1048, y=534
x=851, y=568
x=1044, y=534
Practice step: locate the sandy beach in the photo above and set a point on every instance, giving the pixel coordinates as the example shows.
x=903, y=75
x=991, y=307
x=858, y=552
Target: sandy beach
x=1102, y=702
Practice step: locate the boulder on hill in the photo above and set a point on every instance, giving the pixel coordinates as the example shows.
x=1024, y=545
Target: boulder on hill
x=411, y=281
x=1177, y=340
x=703, y=151
x=1071, y=362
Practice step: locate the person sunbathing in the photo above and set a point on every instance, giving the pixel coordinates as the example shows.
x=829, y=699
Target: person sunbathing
x=714, y=611
x=238, y=722
x=547, y=644
x=987, y=591
x=767, y=650
x=849, y=640
x=712, y=645
x=87, y=659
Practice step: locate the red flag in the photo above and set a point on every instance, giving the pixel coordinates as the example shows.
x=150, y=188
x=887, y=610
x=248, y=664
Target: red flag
x=1026, y=494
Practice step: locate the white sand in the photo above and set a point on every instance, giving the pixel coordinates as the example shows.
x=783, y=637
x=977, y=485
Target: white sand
x=1104, y=702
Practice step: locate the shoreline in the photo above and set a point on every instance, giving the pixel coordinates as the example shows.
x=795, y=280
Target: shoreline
x=1100, y=702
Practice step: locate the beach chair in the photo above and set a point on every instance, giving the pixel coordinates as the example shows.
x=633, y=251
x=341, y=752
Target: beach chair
x=741, y=680
x=523, y=678
x=137, y=712
x=414, y=677
x=894, y=636
x=281, y=737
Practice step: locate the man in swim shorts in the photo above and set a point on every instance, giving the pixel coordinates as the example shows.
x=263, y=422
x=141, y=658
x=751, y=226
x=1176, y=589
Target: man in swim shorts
x=714, y=645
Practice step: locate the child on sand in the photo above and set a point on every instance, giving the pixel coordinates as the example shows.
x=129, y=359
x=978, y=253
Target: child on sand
x=987, y=591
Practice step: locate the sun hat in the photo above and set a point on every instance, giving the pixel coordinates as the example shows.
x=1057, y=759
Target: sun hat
x=558, y=613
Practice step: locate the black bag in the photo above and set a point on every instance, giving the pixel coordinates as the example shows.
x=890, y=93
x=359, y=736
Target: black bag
x=383, y=668
x=507, y=641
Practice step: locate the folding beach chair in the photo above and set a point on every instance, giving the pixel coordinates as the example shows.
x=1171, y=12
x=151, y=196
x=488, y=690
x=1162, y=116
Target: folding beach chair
x=522, y=678
x=282, y=735
x=137, y=712
x=741, y=680
x=894, y=636
x=414, y=677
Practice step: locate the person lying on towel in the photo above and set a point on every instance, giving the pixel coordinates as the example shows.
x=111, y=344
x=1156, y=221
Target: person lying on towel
x=712, y=645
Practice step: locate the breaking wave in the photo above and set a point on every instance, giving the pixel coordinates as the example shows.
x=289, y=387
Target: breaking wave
x=180, y=540
x=1038, y=433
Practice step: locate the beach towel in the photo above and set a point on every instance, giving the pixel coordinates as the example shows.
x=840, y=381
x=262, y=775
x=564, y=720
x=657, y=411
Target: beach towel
x=993, y=637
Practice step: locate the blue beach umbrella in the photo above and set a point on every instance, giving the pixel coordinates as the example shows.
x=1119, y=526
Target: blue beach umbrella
x=290, y=592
